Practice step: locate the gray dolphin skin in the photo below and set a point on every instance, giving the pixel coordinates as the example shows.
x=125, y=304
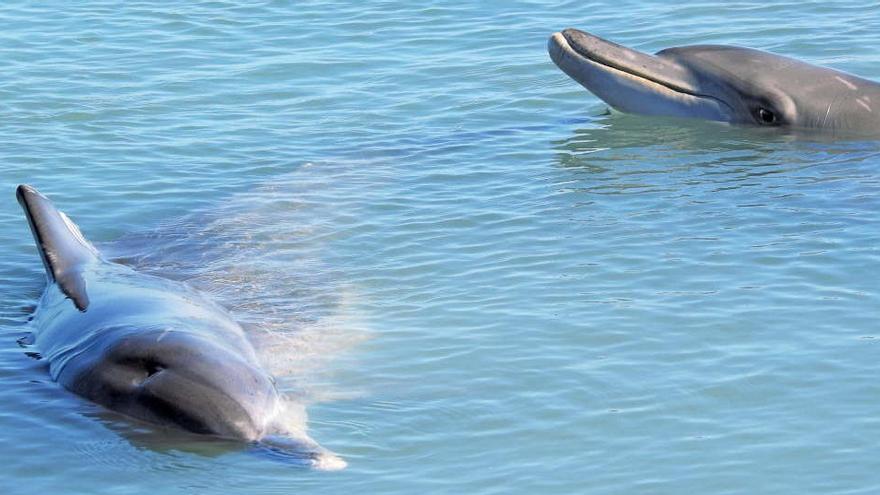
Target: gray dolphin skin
x=721, y=83
x=148, y=347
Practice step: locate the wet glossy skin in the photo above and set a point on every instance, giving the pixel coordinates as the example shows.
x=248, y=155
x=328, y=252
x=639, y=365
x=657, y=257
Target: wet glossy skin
x=155, y=350
x=148, y=347
x=151, y=348
x=723, y=83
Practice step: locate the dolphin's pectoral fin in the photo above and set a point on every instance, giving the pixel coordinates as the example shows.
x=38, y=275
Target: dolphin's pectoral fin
x=62, y=247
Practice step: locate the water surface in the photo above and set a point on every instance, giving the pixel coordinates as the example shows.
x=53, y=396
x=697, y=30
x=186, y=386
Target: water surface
x=467, y=275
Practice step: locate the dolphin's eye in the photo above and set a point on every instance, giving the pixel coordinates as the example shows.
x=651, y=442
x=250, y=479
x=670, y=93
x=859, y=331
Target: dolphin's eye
x=766, y=116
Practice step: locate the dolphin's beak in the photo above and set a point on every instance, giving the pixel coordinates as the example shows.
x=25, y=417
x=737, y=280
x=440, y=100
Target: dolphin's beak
x=301, y=450
x=632, y=81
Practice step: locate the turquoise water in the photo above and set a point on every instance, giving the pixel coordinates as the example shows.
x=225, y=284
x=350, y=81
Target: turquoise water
x=467, y=275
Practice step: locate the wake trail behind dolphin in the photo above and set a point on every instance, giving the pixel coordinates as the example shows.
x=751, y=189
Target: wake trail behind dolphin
x=262, y=254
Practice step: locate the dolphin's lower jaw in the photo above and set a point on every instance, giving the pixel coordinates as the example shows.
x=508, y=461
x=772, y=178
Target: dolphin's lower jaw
x=631, y=91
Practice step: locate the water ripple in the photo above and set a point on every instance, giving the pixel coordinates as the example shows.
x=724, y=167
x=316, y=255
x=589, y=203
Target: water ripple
x=473, y=276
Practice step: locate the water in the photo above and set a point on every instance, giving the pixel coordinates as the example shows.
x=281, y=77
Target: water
x=466, y=275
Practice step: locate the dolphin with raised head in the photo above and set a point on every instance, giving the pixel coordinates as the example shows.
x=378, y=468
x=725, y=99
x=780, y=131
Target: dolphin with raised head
x=148, y=347
x=721, y=83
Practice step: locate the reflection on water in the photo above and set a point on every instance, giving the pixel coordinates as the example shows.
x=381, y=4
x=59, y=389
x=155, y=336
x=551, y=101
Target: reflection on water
x=628, y=146
x=290, y=448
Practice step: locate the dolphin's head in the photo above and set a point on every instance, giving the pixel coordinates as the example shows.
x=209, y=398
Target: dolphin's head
x=186, y=381
x=722, y=83
x=176, y=379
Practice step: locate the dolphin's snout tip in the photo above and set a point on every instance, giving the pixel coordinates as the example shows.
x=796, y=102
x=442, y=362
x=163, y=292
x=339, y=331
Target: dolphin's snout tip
x=24, y=190
x=328, y=461
x=300, y=451
x=572, y=33
x=556, y=46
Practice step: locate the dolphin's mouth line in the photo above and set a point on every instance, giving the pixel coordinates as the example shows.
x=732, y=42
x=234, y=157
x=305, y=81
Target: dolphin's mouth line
x=575, y=48
x=607, y=62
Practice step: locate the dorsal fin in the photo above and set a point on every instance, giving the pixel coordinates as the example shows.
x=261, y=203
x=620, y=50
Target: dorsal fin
x=64, y=250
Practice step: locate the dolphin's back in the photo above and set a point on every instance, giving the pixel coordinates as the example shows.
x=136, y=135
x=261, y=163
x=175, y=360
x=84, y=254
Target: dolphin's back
x=64, y=250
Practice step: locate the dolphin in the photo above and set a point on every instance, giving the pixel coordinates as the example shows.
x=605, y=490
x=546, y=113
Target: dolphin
x=148, y=347
x=720, y=83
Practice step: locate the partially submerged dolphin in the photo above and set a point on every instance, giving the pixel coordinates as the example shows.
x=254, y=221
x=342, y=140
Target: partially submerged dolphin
x=148, y=347
x=722, y=83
